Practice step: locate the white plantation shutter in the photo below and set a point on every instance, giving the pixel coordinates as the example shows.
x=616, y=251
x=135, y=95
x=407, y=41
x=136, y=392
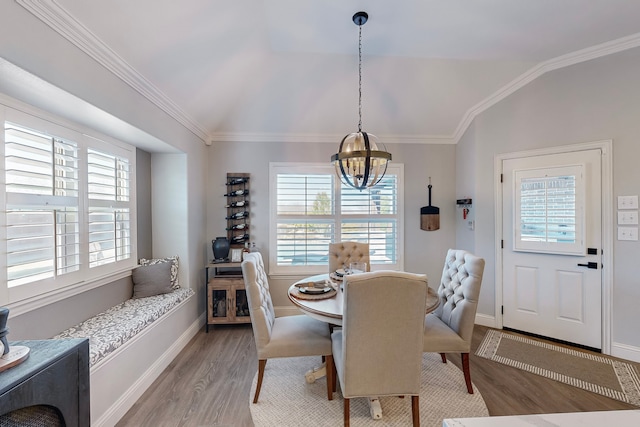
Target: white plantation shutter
x=371, y=216
x=312, y=208
x=109, y=211
x=305, y=225
x=42, y=224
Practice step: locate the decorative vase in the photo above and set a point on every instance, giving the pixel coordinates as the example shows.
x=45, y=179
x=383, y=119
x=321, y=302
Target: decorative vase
x=220, y=248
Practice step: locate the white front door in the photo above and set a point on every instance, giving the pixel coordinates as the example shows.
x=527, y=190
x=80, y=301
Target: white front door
x=552, y=248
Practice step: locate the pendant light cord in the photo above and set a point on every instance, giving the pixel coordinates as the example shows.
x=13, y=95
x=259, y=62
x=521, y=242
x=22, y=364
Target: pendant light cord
x=360, y=78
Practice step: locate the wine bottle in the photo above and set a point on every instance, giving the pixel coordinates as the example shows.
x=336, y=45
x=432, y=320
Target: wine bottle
x=238, y=215
x=237, y=193
x=236, y=181
x=236, y=204
x=240, y=238
x=238, y=226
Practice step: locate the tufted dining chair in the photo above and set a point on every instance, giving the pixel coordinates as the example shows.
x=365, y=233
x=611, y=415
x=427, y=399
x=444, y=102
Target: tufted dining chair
x=378, y=351
x=287, y=336
x=341, y=254
x=449, y=328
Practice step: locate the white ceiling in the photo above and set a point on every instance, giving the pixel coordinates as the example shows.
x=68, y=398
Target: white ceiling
x=261, y=69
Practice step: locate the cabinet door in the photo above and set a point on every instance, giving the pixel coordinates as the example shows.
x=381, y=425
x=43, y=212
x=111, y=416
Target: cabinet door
x=219, y=304
x=242, y=305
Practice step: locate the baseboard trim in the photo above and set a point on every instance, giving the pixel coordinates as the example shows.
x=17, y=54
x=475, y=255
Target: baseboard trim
x=625, y=351
x=485, y=320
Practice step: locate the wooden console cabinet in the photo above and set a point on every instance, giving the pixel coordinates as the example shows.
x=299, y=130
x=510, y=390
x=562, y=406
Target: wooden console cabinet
x=226, y=297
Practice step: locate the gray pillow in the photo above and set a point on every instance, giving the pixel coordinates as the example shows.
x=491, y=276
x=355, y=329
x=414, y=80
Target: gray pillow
x=149, y=280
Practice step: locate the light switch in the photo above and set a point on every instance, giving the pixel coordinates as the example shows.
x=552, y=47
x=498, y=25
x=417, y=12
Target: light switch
x=627, y=217
x=627, y=202
x=627, y=233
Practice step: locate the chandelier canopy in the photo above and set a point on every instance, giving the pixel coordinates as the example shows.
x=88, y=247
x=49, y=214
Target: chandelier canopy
x=359, y=162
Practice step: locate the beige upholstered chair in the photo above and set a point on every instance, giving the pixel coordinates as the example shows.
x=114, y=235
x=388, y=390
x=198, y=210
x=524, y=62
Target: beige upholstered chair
x=378, y=351
x=342, y=254
x=450, y=327
x=288, y=336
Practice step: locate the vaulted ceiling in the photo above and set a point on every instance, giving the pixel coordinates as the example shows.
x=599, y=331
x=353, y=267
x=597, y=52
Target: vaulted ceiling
x=288, y=69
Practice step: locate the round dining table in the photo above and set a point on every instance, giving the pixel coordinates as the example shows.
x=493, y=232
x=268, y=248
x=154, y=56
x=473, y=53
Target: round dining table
x=328, y=308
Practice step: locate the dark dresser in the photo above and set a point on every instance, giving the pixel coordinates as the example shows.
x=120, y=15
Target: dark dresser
x=50, y=388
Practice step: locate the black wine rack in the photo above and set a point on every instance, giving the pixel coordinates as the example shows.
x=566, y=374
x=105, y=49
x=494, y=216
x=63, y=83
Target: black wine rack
x=238, y=208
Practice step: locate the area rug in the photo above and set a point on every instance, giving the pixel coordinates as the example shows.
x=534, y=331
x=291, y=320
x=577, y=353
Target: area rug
x=287, y=400
x=586, y=370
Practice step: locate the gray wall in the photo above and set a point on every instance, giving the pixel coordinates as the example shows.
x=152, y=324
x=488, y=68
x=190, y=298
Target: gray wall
x=424, y=250
x=143, y=206
x=595, y=100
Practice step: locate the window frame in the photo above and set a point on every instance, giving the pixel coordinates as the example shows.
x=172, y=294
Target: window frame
x=276, y=168
x=33, y=295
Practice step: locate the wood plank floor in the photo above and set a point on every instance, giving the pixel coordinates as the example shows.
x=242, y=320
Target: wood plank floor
x=209, y=383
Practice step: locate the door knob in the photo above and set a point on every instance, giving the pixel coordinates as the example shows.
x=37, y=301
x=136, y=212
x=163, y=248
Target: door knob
x=593, y=265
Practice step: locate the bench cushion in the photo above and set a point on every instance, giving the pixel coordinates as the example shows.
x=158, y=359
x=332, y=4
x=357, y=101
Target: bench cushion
x=112, y=328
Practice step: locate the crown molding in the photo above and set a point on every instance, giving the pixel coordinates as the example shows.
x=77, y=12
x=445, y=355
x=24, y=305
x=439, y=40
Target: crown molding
x=66, y=25
x=61, y=21
x=323, y=138
x=583, y=55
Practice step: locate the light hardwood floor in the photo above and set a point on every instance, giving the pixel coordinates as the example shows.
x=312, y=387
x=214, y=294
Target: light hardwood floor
x=209, y=383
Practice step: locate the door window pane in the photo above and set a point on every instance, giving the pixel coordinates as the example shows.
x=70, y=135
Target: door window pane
x=549, y=210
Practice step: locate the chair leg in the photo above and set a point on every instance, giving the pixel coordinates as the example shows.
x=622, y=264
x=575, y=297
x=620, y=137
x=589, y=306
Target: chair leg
x=261, y=364
x=415, y=410
x=346, y=412
x=330, y=379
x=443, y=357
x=467, y=372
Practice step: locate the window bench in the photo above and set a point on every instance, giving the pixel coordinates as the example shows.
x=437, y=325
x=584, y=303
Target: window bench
x=112, y=328
x=130, y=344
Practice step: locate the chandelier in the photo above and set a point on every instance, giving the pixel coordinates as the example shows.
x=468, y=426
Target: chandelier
x=359, y=163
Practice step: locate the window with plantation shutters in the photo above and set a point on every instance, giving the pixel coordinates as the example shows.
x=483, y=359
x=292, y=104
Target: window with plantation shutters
x=42, y=223
x=311, y=208
x=68, y=208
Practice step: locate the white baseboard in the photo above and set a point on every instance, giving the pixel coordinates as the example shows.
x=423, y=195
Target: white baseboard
x=126, y=400
x=486, y=320
x=627, y=352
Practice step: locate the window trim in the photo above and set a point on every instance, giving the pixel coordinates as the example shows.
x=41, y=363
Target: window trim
x=20, y=299
x=326, y=168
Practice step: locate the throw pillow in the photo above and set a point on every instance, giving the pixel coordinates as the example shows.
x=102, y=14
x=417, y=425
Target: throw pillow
x=174, y=267
x=149, y=280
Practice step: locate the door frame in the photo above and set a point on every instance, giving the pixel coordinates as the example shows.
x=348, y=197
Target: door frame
x=607, y=227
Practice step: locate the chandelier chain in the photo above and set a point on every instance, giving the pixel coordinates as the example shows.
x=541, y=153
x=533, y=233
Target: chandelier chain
x=360, y=78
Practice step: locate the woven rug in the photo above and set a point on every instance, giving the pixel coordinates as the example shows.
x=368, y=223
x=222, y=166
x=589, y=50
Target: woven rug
x=286, y=400
x=586, y=370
